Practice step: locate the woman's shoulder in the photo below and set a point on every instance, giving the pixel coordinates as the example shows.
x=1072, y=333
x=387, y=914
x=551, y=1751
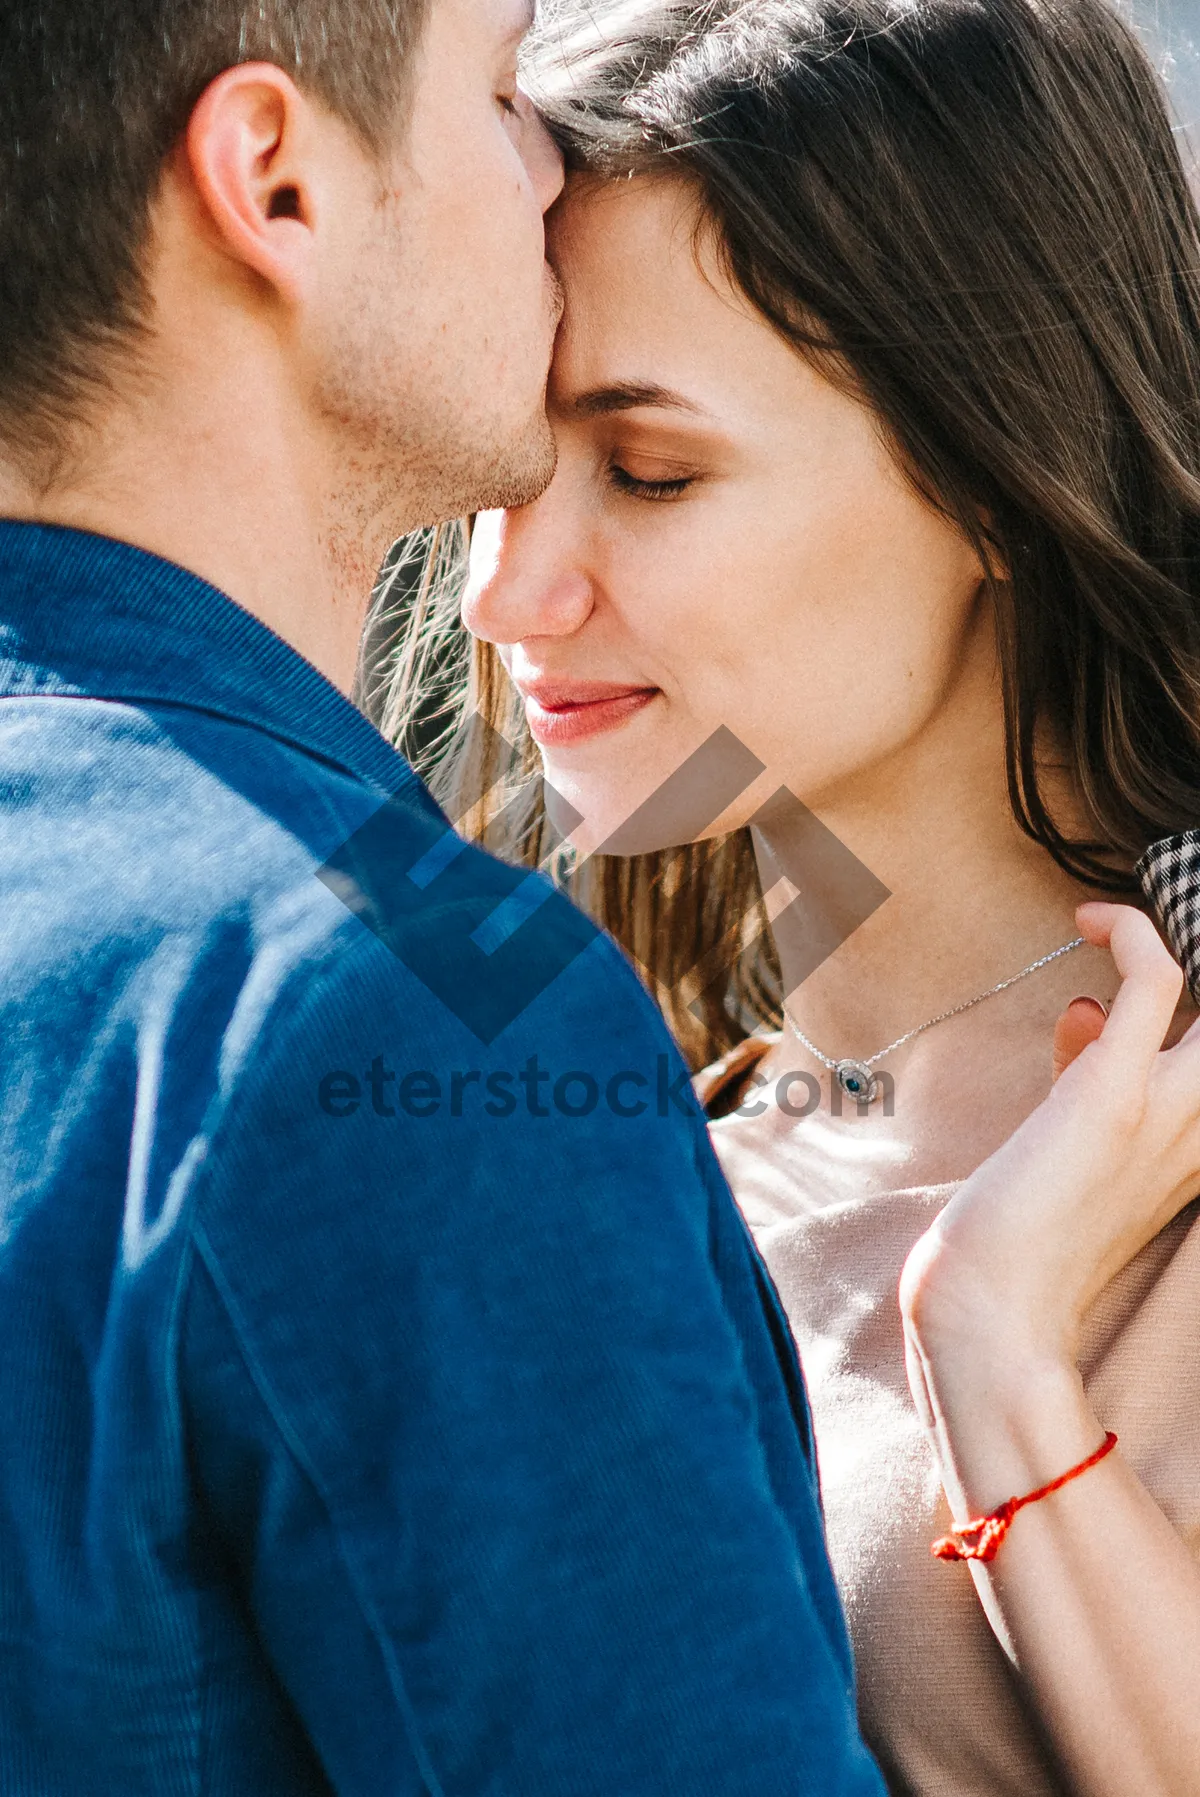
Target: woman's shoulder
x=721, y=1086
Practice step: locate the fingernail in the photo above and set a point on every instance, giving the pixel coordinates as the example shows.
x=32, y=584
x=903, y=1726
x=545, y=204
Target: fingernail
x=1085, y=998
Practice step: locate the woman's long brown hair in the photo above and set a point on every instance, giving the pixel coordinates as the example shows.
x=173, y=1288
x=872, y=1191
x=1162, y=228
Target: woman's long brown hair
x=978, y=209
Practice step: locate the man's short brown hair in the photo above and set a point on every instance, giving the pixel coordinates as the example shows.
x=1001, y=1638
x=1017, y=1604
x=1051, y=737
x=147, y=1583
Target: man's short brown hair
x=93, y=94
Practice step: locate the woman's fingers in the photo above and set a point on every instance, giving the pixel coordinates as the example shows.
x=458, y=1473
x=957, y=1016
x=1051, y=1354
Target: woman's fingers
x=1141, y=1017
x=1151, y=982
x=1079, y=1025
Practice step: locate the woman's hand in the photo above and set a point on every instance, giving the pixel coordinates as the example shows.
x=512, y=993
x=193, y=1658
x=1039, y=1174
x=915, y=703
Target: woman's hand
x=1030, y=1240
x=1093, y=1594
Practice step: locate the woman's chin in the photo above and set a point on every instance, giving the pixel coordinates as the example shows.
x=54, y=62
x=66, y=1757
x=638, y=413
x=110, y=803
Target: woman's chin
x=616, y=792
x=594, y=806
x=590, y=812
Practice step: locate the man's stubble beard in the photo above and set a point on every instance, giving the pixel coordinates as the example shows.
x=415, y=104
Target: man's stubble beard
x=419, y=447
x=393, y=468
x=510, y=472
x=469, y=459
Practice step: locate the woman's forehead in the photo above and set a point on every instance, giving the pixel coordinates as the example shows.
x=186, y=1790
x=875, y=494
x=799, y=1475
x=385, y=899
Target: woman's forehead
x=647, y=301
x=648, y=222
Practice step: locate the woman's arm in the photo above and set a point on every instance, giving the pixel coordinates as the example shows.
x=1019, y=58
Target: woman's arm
x=1093, y=1593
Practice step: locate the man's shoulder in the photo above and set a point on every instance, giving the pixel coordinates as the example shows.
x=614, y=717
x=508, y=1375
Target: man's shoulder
x=168, y=811
x=132, y=825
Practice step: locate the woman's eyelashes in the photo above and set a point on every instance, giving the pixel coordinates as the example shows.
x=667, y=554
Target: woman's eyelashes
x=637, y=488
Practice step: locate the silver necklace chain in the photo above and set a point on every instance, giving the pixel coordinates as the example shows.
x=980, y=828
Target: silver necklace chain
x=855, y=1076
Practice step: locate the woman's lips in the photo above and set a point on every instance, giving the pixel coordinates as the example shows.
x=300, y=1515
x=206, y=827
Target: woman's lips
x=563, y=714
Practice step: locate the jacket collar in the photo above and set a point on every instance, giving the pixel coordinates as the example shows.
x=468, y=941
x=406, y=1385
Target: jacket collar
x=88, y=617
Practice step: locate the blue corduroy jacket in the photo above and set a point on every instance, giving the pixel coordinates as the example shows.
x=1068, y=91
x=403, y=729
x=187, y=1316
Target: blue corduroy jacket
x=391, y=1401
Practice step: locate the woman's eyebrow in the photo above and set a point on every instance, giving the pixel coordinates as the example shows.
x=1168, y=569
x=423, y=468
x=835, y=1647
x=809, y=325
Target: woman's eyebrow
x=627, y=396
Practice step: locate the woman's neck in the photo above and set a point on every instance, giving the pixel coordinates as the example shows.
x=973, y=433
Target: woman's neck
x=906, y=921
x=922, y=891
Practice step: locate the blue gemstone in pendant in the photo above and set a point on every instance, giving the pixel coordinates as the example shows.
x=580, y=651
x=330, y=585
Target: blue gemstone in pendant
x=857, y=1081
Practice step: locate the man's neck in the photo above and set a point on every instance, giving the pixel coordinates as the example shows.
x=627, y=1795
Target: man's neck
x=241, y=507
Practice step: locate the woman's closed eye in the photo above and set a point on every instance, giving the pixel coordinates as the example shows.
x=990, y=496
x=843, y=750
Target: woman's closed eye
x=638, y=487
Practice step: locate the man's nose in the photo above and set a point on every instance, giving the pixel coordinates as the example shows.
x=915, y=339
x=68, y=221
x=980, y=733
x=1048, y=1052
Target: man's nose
x=522, y=583
x=541, y=155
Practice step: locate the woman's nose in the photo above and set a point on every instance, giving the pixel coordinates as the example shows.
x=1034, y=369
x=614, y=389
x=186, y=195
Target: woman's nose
x=521, y=584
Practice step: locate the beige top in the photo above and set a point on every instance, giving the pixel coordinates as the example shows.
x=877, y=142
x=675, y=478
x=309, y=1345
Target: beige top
x=940, y=1705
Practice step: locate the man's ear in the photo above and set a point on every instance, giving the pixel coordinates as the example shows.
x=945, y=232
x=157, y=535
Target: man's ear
x=249, y=149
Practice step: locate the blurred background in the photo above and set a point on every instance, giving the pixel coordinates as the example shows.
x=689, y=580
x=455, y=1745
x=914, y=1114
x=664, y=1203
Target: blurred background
x=1170, y=30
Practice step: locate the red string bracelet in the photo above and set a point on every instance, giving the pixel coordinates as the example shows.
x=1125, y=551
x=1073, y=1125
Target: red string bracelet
x=980, y=1539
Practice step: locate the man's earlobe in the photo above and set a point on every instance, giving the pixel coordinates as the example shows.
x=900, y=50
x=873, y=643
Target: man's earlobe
x=244, y=148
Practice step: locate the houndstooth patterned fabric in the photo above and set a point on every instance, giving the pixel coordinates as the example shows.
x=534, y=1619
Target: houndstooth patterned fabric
x=1169, y=872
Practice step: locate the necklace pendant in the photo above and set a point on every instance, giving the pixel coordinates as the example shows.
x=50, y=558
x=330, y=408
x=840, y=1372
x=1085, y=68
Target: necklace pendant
x=857, y=1081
